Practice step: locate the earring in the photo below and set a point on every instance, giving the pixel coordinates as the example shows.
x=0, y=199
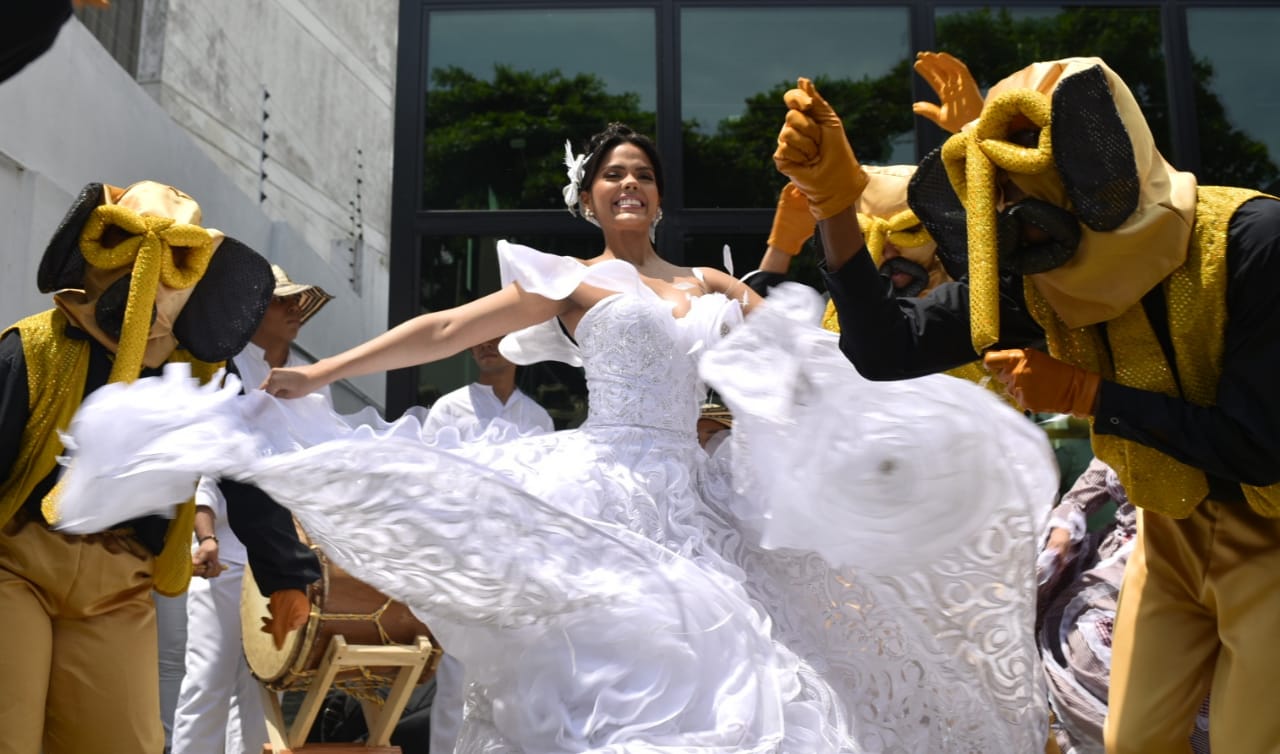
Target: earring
x=653, y=226
x=587, y=213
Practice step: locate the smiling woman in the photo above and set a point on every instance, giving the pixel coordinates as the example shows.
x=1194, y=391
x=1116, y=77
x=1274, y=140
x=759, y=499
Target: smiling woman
x=615, y=588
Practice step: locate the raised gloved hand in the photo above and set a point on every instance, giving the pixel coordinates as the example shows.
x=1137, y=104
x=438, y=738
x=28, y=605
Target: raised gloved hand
x=289, y=610
x=793, y=223
x=1044, y=384
x=961, y=101
x=814, y=152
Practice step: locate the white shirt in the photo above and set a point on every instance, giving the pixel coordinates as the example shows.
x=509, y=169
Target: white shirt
x=253, y=367
x=471, y=408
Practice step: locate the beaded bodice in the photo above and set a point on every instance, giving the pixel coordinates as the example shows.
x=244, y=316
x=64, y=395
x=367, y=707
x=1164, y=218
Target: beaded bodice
x=641, y=362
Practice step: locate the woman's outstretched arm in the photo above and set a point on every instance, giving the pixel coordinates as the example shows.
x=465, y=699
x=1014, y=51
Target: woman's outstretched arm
x=425, y=338
x=722, y=282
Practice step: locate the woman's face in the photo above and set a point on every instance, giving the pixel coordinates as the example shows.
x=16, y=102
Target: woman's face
x=625, y=191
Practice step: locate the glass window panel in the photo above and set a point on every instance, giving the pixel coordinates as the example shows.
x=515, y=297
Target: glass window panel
x=994, y=43
x=458, y=269
x=505, y=88
x=1237, y=101
x=735, y=65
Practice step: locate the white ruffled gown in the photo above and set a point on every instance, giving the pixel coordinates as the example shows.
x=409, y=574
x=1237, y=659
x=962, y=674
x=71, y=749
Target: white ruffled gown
x=853, y=572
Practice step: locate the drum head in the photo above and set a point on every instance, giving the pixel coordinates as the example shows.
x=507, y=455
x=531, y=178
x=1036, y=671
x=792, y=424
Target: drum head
x=268, y=664
x=340, y=606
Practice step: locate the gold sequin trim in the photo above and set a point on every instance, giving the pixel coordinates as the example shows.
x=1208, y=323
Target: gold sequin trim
x=1195, y=296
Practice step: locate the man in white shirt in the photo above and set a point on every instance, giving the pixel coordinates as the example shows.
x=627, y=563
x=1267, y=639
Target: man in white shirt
x=493, y=395
x=219, y=705
x=471, y=409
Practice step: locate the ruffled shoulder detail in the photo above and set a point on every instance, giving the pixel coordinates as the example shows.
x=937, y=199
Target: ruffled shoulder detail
x=556, y=277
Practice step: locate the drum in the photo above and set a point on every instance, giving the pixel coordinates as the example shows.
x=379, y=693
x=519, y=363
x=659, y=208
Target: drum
x=340, y=606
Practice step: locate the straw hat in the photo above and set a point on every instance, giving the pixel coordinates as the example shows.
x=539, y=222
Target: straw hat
x=312, y=297
x=717, y=413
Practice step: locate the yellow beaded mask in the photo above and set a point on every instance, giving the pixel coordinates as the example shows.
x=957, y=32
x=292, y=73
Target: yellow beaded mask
x=887, y=222
x=1070, y=134
x=127, y=262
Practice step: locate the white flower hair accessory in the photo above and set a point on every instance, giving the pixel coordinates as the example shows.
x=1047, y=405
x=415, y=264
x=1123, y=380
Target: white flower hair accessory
x=576, y=165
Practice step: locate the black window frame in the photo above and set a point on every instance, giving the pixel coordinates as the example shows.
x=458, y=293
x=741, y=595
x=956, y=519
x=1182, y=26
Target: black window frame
x=410, y=222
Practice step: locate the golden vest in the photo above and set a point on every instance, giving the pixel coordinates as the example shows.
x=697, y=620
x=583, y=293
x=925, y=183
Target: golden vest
x=1196, y=297
x=57, y=367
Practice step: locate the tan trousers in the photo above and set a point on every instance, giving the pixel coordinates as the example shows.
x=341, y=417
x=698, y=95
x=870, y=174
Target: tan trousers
x=77, y=647
x=1200, y=606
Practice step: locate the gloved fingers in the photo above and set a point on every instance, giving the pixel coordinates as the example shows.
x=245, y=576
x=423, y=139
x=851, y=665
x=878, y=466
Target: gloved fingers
x=804, y=126
x=928, y=110
x=793, y=223
x=798, y=152
x=1002, y=363
x=800, y=97
x=792, y=200
x=289, y=610
x=929, y=66
x=269, y=627
x=819, y=109
x=279, y=628
x=940, y=69
x=279, y=632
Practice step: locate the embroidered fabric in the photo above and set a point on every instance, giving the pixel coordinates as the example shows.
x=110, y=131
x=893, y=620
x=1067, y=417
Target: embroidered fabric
x=894, y=545
x=833, y=580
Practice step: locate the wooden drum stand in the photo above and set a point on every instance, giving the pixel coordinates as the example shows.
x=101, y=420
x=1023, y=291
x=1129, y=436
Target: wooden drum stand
x=357, y=640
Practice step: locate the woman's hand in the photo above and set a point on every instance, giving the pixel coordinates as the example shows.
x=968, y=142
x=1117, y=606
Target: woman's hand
x=294, y=382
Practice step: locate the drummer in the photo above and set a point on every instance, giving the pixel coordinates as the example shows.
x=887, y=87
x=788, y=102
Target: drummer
x=218, y=680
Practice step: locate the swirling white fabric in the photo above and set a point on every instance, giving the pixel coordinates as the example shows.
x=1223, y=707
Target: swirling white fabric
x=834, y=580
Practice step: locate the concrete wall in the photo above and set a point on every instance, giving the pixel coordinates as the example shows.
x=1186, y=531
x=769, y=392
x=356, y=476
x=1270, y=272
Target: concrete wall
x=74, y=116
x=329, y=70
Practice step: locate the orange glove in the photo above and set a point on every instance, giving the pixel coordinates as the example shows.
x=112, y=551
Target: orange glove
x=1042, y=383
x=289, y=610
x=814, y=152
x=956, y=89
x=793, y=224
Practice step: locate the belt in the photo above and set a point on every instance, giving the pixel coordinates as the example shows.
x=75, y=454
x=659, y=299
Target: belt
x=115, y=541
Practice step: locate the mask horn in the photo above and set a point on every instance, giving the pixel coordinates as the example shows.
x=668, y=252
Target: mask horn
x=227, y=304
x=62, y=265
x=1093, y=151
x=932, y=197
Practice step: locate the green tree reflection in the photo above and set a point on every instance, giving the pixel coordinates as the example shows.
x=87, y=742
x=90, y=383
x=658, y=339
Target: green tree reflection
x=994, y=43
x=733, y=167
x=499, y=143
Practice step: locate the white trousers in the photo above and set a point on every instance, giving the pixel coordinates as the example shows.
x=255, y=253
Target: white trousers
x=446, y=706
x=171, y=641
x=220, y=706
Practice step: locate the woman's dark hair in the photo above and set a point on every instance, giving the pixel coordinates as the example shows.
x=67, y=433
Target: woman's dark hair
x=613, y=135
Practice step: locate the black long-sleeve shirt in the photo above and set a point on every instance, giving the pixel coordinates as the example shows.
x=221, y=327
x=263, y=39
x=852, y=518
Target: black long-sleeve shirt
x=279, y=560
x=1235, y=441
